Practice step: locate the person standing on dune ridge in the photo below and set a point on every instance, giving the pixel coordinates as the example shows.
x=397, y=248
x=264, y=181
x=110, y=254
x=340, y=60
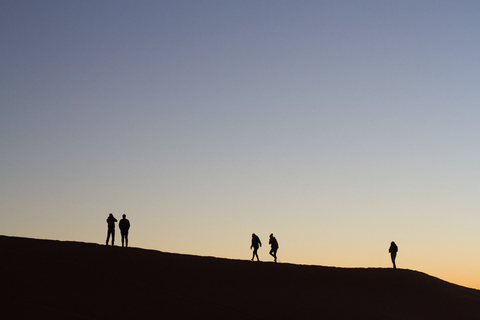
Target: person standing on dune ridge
x=124, y=226
x=111, y=228
x=393, y=253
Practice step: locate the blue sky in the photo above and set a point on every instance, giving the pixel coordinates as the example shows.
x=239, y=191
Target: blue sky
x=338, y=126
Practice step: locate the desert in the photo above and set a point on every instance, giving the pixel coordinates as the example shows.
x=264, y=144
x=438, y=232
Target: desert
x=48, y=279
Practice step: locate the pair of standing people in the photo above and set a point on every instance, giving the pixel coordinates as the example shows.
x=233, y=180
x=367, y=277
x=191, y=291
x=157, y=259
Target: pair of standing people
x=124, y=226
x=256, y=243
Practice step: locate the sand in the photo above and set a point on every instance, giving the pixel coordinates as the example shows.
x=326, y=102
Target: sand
x=46, y=279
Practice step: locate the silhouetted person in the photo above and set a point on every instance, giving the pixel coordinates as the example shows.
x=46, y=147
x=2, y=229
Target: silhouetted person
x=255, y=245
x=111, y=228
x=393, y=253
x=274, y=244
x=124, y=225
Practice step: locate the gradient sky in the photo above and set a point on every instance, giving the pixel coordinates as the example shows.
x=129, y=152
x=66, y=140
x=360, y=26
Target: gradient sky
x=337, y=125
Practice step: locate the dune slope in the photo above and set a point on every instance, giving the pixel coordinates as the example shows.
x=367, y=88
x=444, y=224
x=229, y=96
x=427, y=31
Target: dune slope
x=46, y=279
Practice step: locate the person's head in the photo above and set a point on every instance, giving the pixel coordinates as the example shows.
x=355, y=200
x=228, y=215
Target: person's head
x=253, y=234
x=110, y=215
x=271, y=235
x=393, y=242
x=124, y=216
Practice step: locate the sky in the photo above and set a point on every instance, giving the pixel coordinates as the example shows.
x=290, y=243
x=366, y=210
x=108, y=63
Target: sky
x=338, y=126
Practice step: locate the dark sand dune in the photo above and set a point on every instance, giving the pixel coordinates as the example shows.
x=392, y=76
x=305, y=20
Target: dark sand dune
x=44, y=279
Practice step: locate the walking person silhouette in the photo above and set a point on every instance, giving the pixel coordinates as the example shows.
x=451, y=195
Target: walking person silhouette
x=274, y=244
x=111, y=228
x=124, y=226
x=393, y=253
x=255, y=244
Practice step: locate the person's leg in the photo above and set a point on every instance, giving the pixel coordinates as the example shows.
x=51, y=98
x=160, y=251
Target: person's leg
x=108, y=236
x=126, y=239
x=113, y=237
x=273, y=253
x=394, y=255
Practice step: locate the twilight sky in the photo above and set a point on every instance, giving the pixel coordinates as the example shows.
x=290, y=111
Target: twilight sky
x=339, y=126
